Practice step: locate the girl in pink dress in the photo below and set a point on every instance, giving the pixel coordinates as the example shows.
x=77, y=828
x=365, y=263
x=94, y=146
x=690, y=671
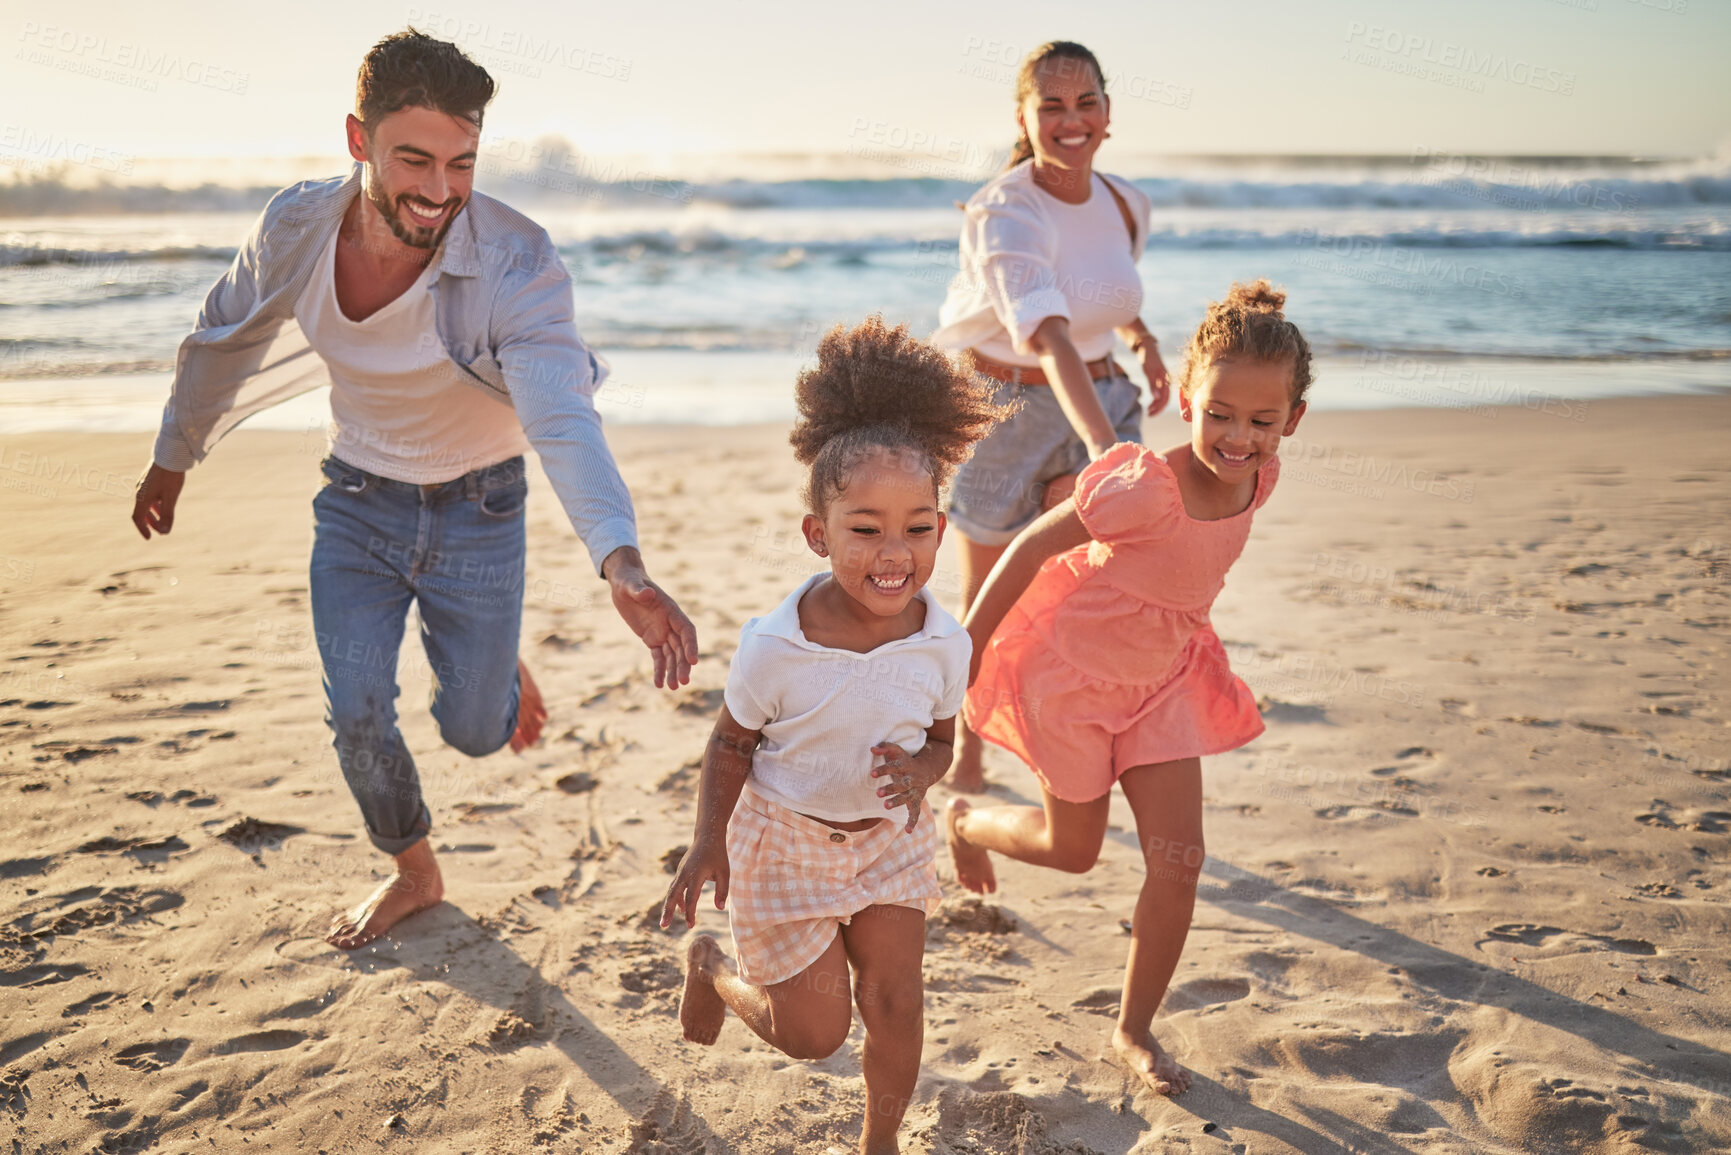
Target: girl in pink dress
x=1095, y=660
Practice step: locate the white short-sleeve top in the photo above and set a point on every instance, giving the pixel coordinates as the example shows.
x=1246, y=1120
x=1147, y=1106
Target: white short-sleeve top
x=1026, y=255
x=821, y=710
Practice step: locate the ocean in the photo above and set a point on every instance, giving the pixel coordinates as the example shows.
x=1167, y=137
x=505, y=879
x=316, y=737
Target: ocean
x=1434, y=280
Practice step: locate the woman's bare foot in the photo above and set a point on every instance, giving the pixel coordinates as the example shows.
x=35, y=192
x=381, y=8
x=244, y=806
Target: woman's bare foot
x=701, y=1011
x=415, y=886
x=1144, y=1057
x=531, y=712
x=968, y=772
x=973, y=865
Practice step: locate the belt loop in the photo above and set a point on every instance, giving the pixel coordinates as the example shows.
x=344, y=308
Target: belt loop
x=472, y=484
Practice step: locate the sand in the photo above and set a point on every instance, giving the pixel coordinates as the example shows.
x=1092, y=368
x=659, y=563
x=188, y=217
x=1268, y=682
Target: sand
x=1467, y=894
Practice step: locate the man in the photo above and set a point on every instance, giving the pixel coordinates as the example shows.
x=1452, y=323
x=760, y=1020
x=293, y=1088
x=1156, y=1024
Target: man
x=443, y=320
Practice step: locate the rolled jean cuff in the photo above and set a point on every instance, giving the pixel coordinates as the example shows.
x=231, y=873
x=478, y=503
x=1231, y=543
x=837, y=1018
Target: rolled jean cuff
x=395, y=846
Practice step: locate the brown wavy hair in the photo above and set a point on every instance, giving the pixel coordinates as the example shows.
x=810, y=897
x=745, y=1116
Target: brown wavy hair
x=1052, y=50
x=411, y=69
x=875, y=387
x=1248, y=324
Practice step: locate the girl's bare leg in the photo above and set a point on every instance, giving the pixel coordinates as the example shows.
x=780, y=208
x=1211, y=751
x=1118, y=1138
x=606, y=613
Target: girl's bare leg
x=887, y=946
x=1062, y=835
x=805, y=1017
x=1167, y=801
x=976, y=561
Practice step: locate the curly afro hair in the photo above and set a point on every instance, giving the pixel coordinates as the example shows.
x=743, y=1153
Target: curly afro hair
x=875, y=387
x=1248, y=324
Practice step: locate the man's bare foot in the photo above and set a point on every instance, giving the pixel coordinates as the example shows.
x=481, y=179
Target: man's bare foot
x=1144, y=1057
x=701, y=1011
x=973, y=864
x=531, y=712
x=415, y=886
x=968, y=773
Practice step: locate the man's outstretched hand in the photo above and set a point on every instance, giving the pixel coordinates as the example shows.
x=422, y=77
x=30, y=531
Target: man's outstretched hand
x=153, y=503
x=653, y=616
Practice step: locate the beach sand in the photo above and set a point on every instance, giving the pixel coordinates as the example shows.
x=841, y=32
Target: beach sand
x=1467, y=894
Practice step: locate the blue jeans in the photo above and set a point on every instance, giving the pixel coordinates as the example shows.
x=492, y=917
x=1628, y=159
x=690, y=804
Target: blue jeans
x=456, y=550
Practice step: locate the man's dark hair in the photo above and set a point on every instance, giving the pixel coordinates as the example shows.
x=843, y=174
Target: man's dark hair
x=411, y=69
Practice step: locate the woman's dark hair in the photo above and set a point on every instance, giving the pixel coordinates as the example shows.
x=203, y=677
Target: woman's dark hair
x=875, y=387
x=1063, y=50
x=411, y=69
x=1249, y=325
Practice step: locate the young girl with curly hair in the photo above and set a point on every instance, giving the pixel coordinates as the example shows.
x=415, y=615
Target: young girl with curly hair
x=1102, y=665
x=840, y=705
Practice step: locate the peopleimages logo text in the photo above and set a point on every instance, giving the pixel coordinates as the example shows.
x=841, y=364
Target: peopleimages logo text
x=92, y=49
x=1460, y=58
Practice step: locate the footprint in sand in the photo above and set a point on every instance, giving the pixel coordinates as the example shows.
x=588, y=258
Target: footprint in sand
x=73, y=752
x=1205, y=993
x=144, y=848
x=1100, y=1001
x=1276, y=710
x=152, y=1056
x=476, y=811
x=84, y=1006
x=993, y=1121
x=1567, y=942
x=279, y=1039
x=252, y=835
x=74, y=912
x=667, y=1128
x=28, y=867
x=41, y=974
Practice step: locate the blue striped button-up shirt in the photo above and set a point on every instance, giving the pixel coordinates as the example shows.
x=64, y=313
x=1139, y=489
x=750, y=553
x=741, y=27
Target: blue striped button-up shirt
x=504, y=313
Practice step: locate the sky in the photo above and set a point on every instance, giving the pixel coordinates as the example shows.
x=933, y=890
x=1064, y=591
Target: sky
x=734, y=80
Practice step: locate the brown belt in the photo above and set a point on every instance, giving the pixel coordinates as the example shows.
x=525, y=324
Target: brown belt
x=1018, y=375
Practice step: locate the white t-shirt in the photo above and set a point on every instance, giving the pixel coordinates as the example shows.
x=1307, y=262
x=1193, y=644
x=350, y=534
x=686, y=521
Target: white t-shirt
x=399, y=407
x=821, y=710
x=1026, y=255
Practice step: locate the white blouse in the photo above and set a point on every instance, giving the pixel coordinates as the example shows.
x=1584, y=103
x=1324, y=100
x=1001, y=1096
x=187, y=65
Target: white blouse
x=821, y=710
x=1026, y=255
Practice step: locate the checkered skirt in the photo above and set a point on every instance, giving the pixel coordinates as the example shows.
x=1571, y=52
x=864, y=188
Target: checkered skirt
x=795, y=881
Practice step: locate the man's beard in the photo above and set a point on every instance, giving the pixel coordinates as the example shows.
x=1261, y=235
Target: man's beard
x=405, y=228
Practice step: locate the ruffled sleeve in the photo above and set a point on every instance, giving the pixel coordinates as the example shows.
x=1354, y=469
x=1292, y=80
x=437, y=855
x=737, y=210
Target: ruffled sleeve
x=1268, y=475
x=1128, y=494
x=1009, y=250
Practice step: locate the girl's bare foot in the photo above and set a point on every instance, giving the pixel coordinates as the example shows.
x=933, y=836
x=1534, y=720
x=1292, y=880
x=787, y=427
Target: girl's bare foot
x=701, y=1011
x=415, y=886
x=531, y=712
x=1144, y=1057
x=973, y=865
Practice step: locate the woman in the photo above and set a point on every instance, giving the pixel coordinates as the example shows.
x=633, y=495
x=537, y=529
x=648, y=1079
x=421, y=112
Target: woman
x=1048, y=279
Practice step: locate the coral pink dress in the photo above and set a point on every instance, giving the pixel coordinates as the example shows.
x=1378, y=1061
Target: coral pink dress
x=1108, y=660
